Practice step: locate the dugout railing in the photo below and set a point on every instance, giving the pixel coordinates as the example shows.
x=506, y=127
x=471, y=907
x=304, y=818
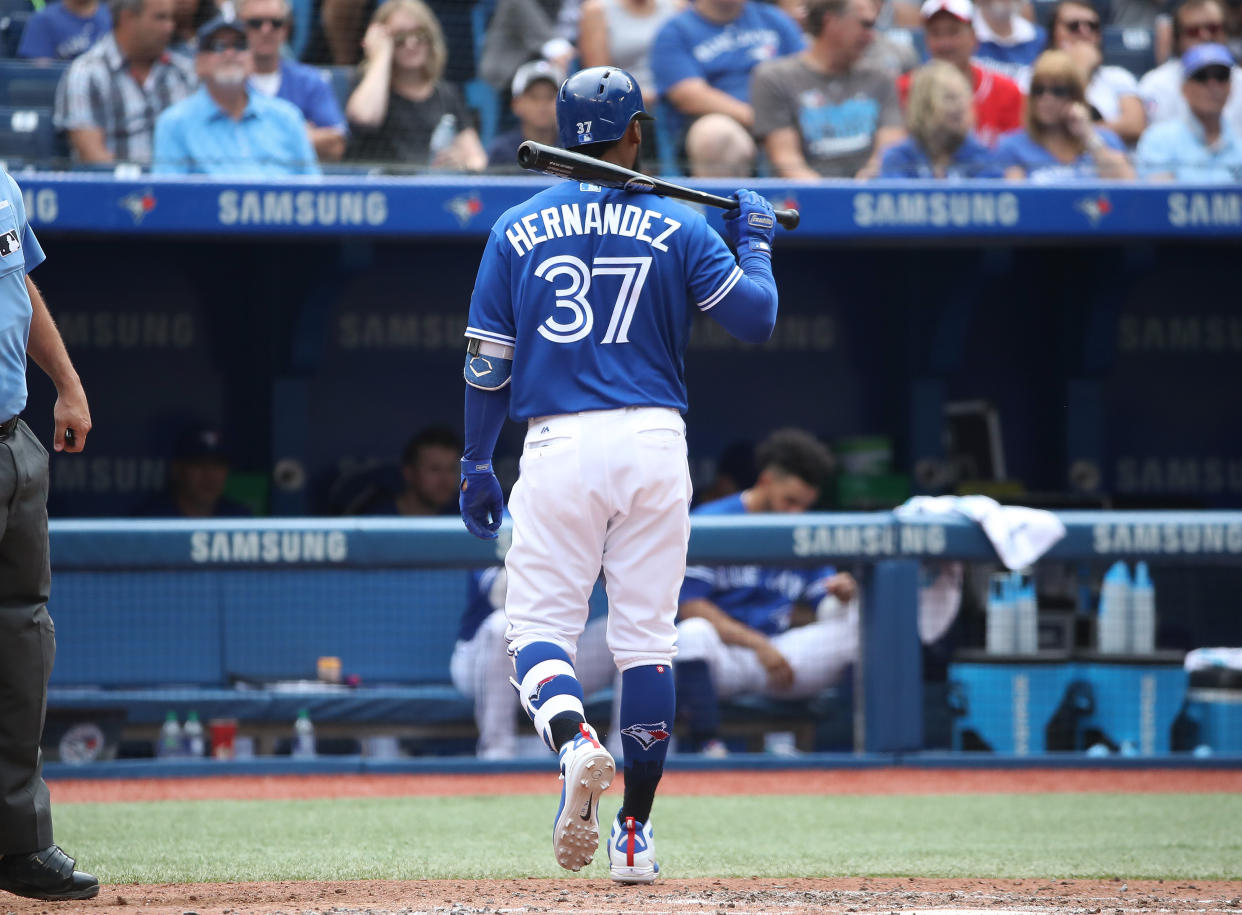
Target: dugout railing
x=178, y=614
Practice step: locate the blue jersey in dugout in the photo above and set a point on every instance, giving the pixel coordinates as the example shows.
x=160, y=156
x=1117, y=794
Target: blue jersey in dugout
x=762, y=597
x=594, y=289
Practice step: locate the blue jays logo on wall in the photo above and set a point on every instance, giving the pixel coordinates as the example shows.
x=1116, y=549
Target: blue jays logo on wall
x=647, y=735
x=465, y=207
x=1094, y=208
x=138, y=204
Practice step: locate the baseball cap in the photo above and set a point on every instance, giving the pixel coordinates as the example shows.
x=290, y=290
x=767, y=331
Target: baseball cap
x=218, y=24
x=958, y=9
x=1205, y=55
x=534, y=70
x=199, y=443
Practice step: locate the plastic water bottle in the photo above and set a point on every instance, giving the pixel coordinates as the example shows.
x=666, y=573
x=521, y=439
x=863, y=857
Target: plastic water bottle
x=443, y=135
x=1001, y=622
x=195, y=740
x=1113, y=635
x=1026, y=613
x=1142, y=612
x=303, y=736
x=169, y=745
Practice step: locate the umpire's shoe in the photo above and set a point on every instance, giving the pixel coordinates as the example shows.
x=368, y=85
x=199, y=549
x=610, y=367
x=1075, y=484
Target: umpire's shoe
x=587, y=769
x=631, y=852
x=48, y=874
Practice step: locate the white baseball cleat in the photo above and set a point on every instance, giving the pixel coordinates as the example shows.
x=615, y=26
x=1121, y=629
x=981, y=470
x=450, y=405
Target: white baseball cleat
x=631, y=852
x=587, y=769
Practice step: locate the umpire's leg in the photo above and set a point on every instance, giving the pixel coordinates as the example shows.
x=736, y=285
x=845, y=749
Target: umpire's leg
x=27, y=642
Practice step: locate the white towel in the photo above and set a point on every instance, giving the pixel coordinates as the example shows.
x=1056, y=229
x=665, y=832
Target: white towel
x=1019, y=535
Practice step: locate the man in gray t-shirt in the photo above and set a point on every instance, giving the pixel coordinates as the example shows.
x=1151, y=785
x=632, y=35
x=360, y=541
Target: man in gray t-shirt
x=819, y=113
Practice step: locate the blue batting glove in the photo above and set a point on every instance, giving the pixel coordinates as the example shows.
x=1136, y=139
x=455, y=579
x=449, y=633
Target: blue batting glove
x=481, y=501
x=751, y=225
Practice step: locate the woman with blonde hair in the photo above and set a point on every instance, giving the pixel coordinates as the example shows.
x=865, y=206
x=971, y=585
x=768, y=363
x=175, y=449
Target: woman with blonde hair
x=1059, y=142
x=939, y=119
x=402, y=110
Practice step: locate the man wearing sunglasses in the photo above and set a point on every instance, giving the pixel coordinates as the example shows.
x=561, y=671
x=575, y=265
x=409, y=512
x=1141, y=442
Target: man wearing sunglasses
x=225, y=128
x=1196, y=22
x=267, y=27
x=1202, y=147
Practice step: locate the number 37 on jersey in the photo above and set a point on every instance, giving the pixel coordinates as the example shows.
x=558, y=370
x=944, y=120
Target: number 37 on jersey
x=573, y=318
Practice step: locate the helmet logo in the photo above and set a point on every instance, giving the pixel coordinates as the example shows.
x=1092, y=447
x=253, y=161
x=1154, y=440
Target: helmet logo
x=584, y=131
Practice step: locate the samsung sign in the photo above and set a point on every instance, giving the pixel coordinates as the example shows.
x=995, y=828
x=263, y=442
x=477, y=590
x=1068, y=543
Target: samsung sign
x=936, y=209
x=302, y=208
x=1173, y=538
x=268, y=547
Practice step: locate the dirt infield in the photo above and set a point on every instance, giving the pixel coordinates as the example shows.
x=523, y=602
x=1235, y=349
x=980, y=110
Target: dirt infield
x=574, y=896
x=809, y=781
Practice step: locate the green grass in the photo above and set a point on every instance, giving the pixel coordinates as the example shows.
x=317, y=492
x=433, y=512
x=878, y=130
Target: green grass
x=1133, y=836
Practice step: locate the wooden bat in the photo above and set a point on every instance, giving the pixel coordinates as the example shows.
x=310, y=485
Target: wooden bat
x=564, y=163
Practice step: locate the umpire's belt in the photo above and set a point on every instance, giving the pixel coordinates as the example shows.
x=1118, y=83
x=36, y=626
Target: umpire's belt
x=7, y=428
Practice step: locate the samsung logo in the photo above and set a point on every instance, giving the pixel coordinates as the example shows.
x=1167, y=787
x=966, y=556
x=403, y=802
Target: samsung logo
x=302, y=208
x=870, y=540
x=1167, y=538
x=1220, y=209
x=270, y=547
x=938, y=208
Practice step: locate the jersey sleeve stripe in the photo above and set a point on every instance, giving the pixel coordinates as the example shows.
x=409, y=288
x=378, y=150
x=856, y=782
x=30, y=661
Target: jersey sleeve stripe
x=714, y=299
x=480, y=334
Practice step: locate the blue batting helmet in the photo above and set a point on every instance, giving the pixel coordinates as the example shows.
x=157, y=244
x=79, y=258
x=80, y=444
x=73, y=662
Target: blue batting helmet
x=596, y=106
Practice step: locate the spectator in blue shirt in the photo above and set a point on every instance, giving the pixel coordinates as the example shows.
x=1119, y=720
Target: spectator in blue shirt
x=534, y=102
x=63, y=30
x=939, y=118
x=702, y=59
x=1059, y=142
x=226, y=129
x=1202, y=147
x=267, y=26
x=1008, y=41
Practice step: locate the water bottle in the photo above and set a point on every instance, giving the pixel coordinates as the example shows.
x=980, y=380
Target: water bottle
x=444, y=134
x=169, y=745
x=1113, y=635
x=195, y=740
x=1142, y=612
x=1026, y=613
x=303, y=736
x=1001, y=634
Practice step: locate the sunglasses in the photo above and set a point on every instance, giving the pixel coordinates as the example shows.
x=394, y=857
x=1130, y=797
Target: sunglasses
x=1061, y=92
x=219, y=47
x=1081, y=26
x=417, y=36
x=1217, y=74
x=1207, y=30
x=276, y=22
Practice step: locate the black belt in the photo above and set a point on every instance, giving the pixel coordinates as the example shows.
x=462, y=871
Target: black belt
x=7, y=427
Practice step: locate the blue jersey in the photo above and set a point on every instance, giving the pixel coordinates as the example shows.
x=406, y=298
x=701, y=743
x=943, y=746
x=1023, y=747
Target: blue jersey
x=907, y=160
x=1042, y=167
x=595, y=289
x=689, y=46
x=479, y=604
x=762, y=597
x=58, y=34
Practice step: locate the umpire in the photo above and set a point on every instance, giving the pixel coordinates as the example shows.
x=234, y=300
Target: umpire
x=30, y=865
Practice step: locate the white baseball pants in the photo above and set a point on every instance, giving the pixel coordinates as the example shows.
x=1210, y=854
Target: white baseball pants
x=602, y=490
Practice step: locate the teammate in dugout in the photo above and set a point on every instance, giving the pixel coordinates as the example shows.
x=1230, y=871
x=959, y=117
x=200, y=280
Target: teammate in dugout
x=782, y=632
x=578, y=326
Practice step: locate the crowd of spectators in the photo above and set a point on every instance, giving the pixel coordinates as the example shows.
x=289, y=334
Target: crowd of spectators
x=799, y=89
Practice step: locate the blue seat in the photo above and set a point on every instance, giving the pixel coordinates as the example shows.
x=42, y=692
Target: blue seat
x=1132, y=48
x=12, y=24
x=24, y=85
x=341, y=78
x=486, y=103
x=27, y=135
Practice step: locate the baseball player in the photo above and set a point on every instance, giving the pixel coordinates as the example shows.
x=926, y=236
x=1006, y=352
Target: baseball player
x=785, y=632
x=578, y=325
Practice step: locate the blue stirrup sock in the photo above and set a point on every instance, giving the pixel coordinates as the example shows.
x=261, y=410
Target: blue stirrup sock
x=550, y=692
x=648, y=704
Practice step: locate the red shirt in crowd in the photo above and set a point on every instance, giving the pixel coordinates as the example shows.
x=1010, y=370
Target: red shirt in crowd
x=998, y=103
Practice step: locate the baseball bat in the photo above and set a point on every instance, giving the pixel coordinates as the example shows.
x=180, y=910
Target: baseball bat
x=564, y=163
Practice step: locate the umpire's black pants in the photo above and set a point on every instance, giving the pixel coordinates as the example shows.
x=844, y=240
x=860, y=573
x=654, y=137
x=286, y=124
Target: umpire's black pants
x=27, y=642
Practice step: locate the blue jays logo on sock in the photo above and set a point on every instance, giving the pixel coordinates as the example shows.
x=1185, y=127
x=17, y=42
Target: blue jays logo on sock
x=647, y=735
x=534, y=696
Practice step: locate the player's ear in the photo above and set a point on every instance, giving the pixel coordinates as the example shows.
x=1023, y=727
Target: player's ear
x=634, y=133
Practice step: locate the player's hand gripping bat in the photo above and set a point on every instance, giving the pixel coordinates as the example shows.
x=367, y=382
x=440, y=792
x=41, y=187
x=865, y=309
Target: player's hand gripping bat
x=564, y=163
